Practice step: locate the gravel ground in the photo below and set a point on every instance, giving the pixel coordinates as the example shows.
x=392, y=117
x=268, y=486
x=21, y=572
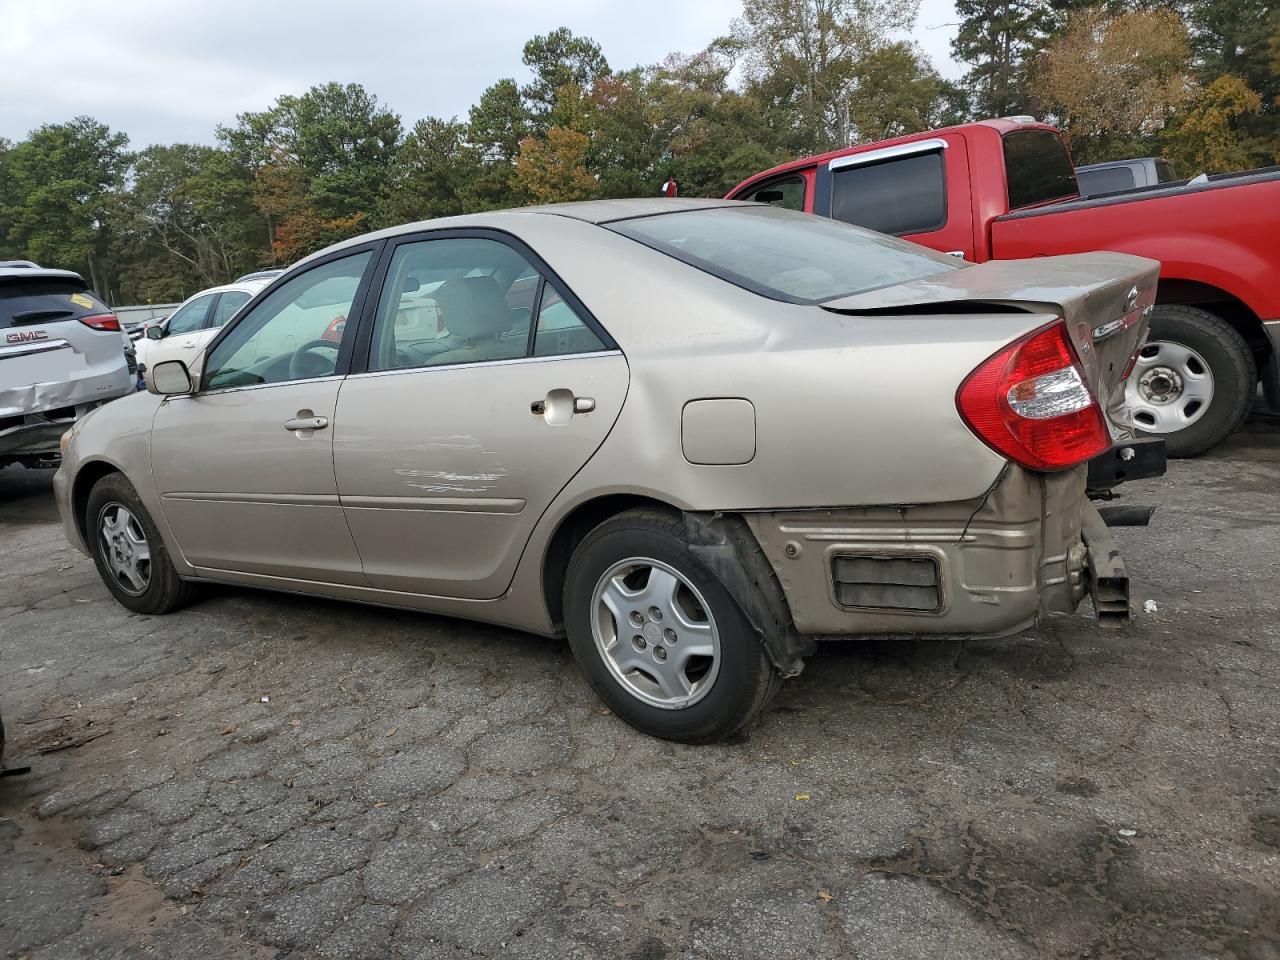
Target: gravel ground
x=280, y=776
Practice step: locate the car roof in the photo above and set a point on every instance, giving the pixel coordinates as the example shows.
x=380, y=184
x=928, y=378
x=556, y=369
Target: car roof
x=27, y=272
x=588, y=211
x=244, y=286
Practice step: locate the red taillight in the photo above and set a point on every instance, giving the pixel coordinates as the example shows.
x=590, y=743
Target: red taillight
x=1030, y=403
x=101, y=321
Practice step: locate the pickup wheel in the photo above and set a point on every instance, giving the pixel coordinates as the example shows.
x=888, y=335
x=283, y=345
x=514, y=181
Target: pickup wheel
x=1193, y=381
x=659, y=636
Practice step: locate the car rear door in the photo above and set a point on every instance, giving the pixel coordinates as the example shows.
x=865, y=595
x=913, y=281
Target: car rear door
x=487, y=387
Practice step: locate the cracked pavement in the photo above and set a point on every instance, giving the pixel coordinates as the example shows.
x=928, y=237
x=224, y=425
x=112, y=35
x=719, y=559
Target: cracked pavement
x=293, y=777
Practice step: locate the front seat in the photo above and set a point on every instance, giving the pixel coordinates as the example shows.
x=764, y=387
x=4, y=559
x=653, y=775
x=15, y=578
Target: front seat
x=474, y=309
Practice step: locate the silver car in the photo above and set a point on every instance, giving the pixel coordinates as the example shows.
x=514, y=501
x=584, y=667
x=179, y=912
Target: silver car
x=694, y=436
x=62, y=353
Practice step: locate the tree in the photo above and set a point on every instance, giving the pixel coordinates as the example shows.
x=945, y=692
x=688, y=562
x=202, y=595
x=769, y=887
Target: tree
x=334, y=148
x=1112, y=82
x=996, y=38
x=554, y=169
x=803, y=55
x=193, y=205
x=61, y=184
x=897, y=91
x=1202, y=140
x=496, y=126
x=431, y=170
x=558, y=60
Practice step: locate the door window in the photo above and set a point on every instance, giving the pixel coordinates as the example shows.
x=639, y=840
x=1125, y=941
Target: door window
x=191, y=317
x=294, y=334
x=228, y=304
x=560, y=330
x=906, y=195
x=787, y=193
x=453, y=300
x=1038, y=168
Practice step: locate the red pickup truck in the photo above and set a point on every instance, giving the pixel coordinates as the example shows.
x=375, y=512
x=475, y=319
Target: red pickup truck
x=1002, y=189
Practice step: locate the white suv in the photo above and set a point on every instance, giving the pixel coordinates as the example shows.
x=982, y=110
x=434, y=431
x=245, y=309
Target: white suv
x=188, y=330
x=62, y=353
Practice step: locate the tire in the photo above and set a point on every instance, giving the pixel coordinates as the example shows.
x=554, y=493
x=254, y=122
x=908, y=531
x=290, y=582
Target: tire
x=156, y=587
x=720, y=693
x=1185, y=341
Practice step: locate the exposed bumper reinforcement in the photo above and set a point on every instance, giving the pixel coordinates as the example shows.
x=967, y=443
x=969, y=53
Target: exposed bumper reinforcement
x=1104, y=567
x=1134, y=460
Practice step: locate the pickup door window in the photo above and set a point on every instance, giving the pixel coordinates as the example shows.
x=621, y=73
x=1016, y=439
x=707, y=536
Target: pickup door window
x=917, y=191
x=899, y=197
x=785, y=192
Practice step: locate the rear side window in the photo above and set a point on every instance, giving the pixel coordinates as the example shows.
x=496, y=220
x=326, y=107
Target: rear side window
x=906, y=195
x=1107, y=180
x=228, y=304
x=32, y=300
x=1038, y=168
x=787, y=193
x=784, y=255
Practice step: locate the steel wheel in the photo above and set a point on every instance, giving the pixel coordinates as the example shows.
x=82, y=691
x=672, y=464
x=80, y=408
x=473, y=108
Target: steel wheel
x=655, y=633
x=1170, y=387
x=125, y=548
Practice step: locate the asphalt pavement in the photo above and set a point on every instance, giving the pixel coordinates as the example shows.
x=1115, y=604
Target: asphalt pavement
x=263, y=775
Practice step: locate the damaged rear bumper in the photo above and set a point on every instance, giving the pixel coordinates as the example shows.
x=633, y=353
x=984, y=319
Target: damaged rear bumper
x=986, y=567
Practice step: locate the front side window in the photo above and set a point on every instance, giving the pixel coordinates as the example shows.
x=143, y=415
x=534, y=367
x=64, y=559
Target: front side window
x=453, y=300
x=294, y=334
x=906, y=195
x=1038, y=168
x=787, y=193
x=191, y=317
x=785, y=255
x=228, y=304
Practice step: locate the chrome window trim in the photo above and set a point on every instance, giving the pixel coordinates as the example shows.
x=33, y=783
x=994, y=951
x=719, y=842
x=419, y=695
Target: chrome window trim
x=219, y=391
x=888, y=153
x=481, y=363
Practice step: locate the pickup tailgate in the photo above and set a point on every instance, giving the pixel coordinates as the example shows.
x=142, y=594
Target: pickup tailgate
x=1105, y=299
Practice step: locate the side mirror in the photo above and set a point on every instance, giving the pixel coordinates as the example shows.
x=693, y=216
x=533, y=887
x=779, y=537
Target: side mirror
x=169, y=378
x=155, y=333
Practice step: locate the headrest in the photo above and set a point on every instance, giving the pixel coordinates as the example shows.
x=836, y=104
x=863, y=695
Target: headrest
x=473, y=307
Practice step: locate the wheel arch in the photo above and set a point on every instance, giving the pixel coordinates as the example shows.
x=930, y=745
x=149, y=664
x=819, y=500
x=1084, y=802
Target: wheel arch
x=1222, y=304
x=86, y=479
x=575, y=525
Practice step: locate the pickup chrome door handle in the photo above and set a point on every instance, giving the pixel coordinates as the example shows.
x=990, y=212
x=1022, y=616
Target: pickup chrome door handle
x=560, y=405
x=306, y=423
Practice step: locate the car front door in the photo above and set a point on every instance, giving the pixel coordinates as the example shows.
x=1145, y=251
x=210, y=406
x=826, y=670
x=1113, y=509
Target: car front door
x=487, y=387
x=244, y=465
x=180, y=340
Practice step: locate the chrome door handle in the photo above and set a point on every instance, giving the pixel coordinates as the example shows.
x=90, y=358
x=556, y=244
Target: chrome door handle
x=560, y=406
x=306, y=423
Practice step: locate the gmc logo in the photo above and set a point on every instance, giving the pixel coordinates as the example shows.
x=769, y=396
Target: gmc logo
x=26, y=337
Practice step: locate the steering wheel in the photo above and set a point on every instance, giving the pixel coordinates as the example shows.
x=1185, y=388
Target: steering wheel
x=302, y=359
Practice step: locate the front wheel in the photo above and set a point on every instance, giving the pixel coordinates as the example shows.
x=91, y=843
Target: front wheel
x=1193, y=381
x=128, y=552
x=658, y=636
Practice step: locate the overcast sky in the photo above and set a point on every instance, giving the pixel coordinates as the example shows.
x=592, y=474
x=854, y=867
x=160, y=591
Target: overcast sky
x=170, y=71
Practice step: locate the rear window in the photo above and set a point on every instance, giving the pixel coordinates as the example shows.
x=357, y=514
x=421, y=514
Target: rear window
x=1165, y=172
x=1038, y=168
x=1106, y=180
x=905, y=195
x=32, y=300
x=784, y=255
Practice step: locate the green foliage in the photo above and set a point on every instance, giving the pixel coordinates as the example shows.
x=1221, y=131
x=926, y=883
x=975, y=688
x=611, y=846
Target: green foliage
x=1195, y=78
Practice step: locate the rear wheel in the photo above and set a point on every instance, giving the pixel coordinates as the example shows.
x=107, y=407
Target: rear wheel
x=128, y=552
x=1193, y=381
x=658, y=636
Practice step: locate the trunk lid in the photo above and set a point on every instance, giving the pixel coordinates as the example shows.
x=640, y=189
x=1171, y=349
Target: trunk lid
x=1105, y=299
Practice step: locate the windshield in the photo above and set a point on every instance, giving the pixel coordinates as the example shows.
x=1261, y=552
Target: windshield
x=784, y=255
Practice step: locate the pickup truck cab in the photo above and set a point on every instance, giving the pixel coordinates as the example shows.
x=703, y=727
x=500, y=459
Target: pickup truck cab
x=1006, y=189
